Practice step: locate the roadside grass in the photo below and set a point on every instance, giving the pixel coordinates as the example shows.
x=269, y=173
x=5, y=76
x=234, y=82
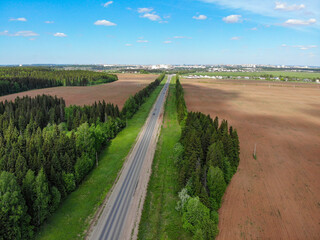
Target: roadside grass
x=73, y=216
x=159, y=218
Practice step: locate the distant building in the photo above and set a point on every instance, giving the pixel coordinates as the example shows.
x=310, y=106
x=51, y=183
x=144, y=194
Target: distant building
x=161, y=66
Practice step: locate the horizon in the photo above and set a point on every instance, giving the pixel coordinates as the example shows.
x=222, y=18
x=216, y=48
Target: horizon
x=155, y=64
x=222, y=32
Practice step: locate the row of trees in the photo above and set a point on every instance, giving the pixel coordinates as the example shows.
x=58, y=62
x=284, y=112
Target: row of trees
x=132, y=105
x=18, y=79
x=208, y=160
x=45, y=155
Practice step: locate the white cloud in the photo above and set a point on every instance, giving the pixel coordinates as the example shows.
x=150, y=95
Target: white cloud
x=18, y=19
x=128, y=44
x=151, y=16
x=24, y=34
x=180, y=37
x=298, y=22
x=19, y=34
x=144, y=10
x=200, y=17
x=285, y=7
x=32, y=39
x=107, y=3
x=254, y=29
x=167, y=42
x=49, y=22
x=142, y=41
x=301, y=47
x=104, y=23
x=235, y=38
x=4, y=33
x=58, y=34
x=232, y=19
x=267, y=8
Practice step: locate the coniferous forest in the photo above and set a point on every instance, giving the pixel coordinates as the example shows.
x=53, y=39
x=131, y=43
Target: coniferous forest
x=209, y=156
x=47, y=149
x=19, y=79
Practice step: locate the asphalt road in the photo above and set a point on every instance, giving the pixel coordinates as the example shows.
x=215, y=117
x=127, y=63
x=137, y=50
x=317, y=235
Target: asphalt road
x=112, y=219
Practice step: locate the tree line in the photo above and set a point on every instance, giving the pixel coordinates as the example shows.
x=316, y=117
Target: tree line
x=46, y=150
x=132, y=105
x=207, y=159
x=18, y=79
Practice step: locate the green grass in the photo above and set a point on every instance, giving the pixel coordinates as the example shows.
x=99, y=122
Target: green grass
x=72, y=217
x=257, y=74
x=159, y=218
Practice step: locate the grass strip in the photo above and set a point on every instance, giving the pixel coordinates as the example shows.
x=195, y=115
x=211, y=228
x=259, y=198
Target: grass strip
x=159, y=218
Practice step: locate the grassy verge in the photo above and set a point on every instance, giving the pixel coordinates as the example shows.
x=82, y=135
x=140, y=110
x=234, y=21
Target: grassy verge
x=159, y=218
x=72, y=218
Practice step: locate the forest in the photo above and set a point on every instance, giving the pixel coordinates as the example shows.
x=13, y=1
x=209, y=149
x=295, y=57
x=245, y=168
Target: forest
x=47, y=149
x=209, y=156
x=19, y=79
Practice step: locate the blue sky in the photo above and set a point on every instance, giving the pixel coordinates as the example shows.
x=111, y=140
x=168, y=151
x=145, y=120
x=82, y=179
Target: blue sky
x=151, y=32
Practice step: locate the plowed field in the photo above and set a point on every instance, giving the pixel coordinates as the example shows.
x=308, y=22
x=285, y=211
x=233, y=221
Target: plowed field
x=115, y=92
x=276, y=196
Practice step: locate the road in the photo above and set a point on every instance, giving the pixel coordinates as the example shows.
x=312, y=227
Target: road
x=111, y=221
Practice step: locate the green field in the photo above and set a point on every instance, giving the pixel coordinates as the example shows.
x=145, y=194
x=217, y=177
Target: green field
x=301, y=75
x=72, y=217
x=159, y=218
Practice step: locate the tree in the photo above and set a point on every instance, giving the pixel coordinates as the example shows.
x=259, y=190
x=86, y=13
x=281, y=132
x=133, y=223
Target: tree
x=42, y=198
x=55, y=200
x=85, y=140
x=194, y=214
x=82, y=167
x=20, y=168
x=14, y=220
x=215, y=155
x=216, y=185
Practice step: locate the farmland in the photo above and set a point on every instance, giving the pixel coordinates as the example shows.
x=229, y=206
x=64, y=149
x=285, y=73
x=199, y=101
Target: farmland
x=116, y=92
x=276, y=195
x=291, y=74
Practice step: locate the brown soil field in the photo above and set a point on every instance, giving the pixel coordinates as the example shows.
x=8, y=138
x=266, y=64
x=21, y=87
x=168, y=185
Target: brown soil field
x=116, y=92
x=276, y=196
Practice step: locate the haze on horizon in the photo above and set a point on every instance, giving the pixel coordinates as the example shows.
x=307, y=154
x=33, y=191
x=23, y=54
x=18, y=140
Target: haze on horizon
x=172, y=32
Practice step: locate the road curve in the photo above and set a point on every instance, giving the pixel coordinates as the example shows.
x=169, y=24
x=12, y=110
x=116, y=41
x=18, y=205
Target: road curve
x=113, y=216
